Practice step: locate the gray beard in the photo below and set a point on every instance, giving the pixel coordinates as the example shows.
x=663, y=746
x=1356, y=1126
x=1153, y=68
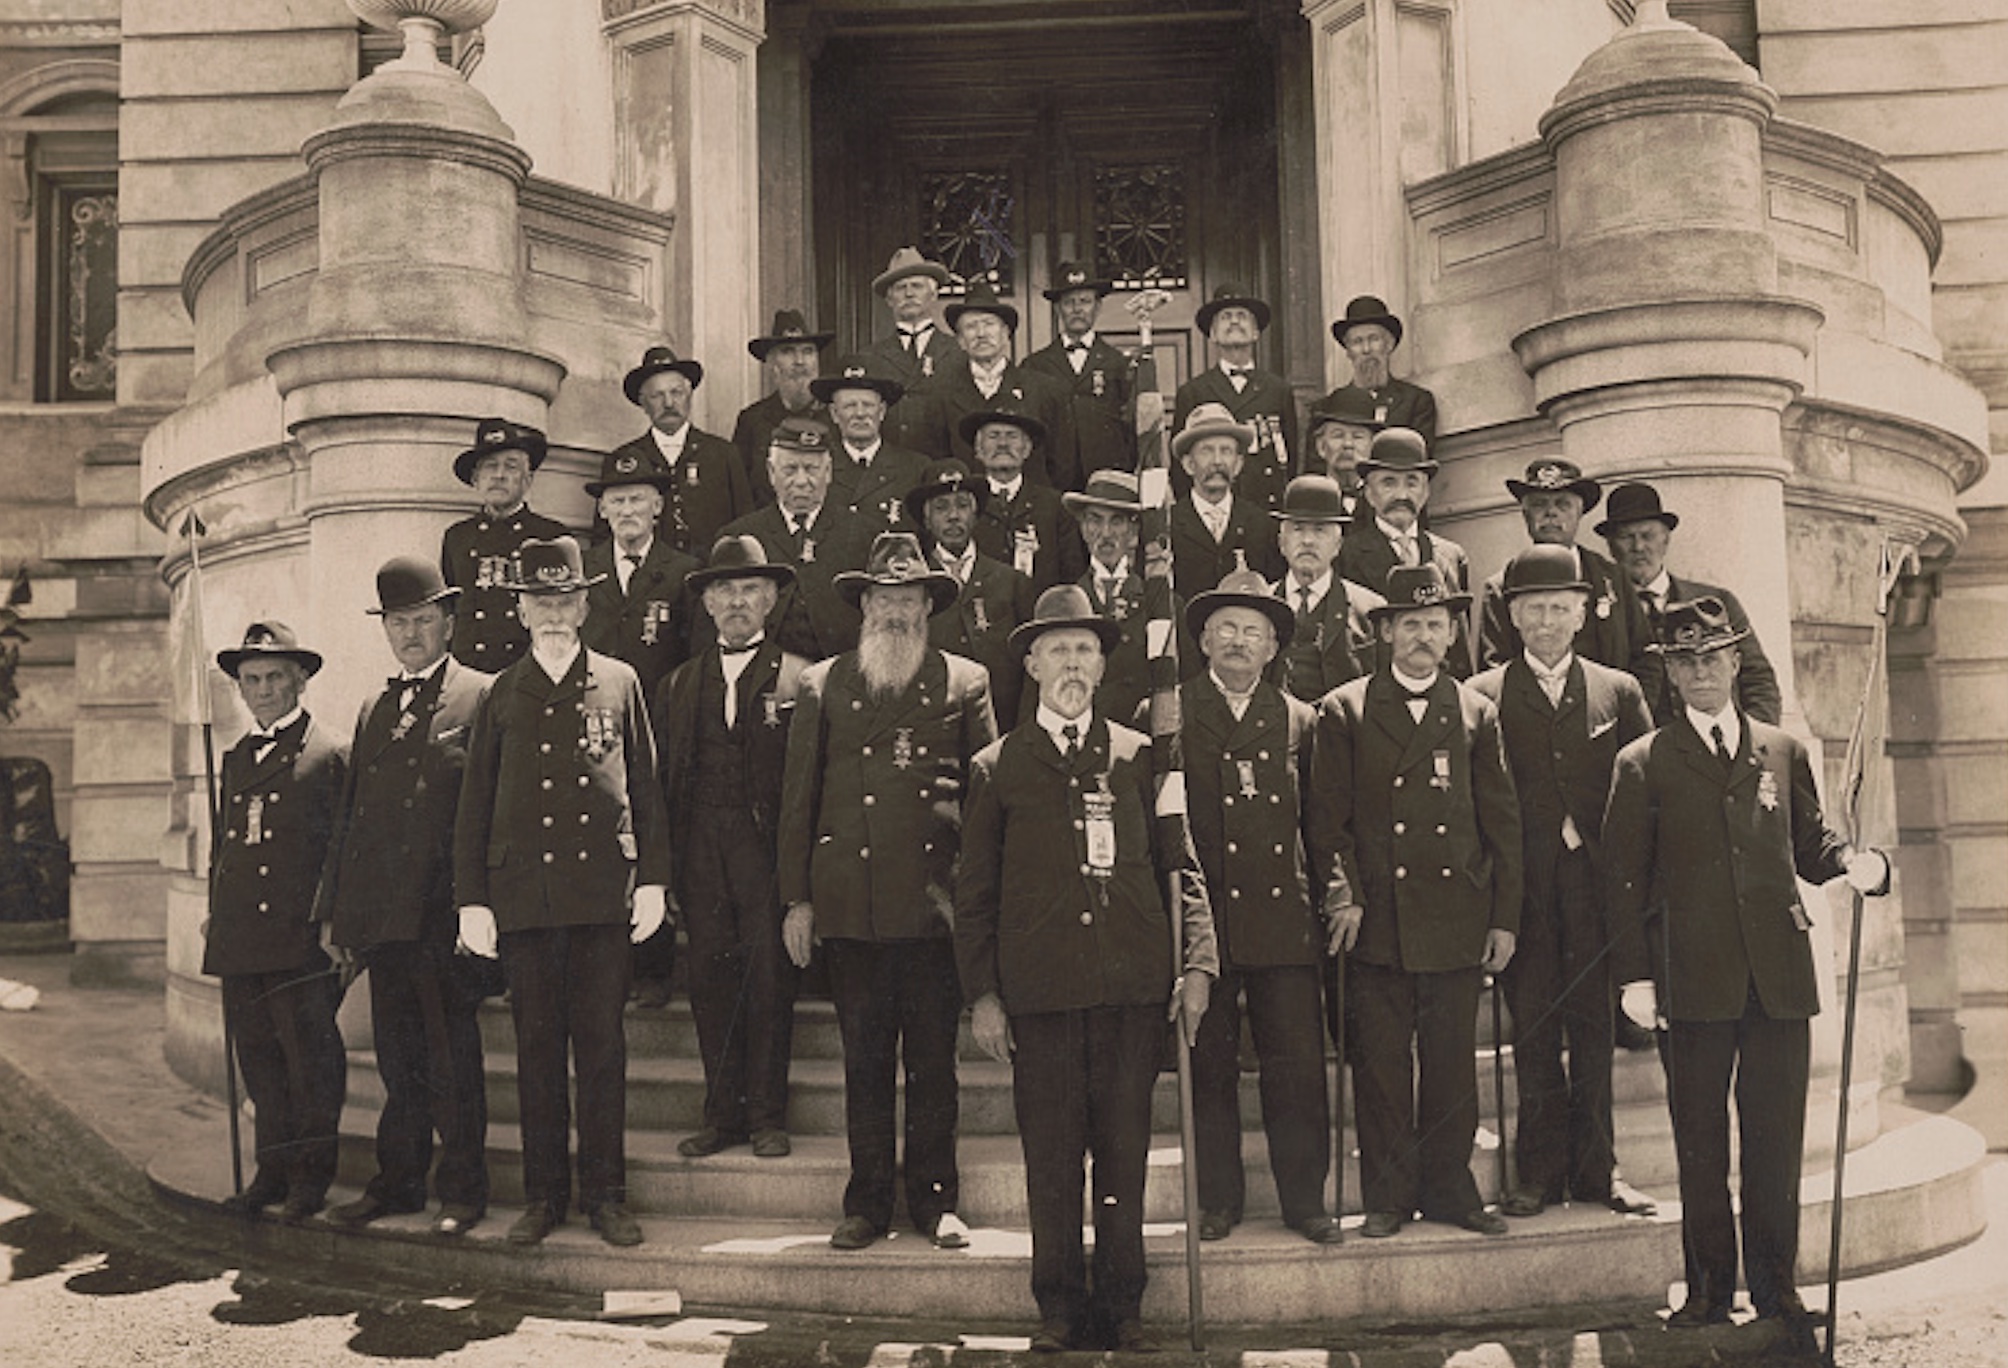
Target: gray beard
x=890, y=659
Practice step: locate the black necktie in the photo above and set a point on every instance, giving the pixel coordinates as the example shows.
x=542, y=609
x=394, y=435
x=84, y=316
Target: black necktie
x=1073, y=735
x=1303, y=603
x=1652, y=608
x=1721, y=746
x=750, y=646
x=404, y=687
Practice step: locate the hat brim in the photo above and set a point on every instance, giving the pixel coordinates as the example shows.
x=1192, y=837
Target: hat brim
x=464, y=463
x=942, y=588
x=1456, y=603
x=1204, y=605
x=231, y=660
x=1586, y=489
x=688, y=369
x=1367, y=465
x=1522, y=590
x=1185, y=440
x=885, y=280
x=704, y=576
x=1110, y=634
x=1610, y=525
x=1337, y=517
x=446, y=595
x=953, y=313
x=916, y=500
x=1102, y=288
x=578, y=586
x=1074, y=503
x=1203, y=317
x=972, y=423
x=1315, y=420
x=826, y=387
x=1708, y=647
x=760, y=346
x=1346, y=325
x=654, y=478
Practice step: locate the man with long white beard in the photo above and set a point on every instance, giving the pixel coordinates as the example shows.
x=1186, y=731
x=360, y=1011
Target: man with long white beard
x=878, y=756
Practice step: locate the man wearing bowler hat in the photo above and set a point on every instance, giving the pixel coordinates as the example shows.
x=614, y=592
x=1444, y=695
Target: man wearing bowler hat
x=985, y=377
x=1095, y=376
x=790, y=353
x=1395, y=480
x=1564, y=720
x=278, y=791
x=477, y=555
x=1637, y=531
x=387, y=898
x=1213, y=529
x=722, y=725
x=1553, y=499
x=1712, y=821
x=1234, y=321
x=1063, y=946
x=994, y=598
x=1110, y=512
x=1368, y=332
x=915, y=352
x=878, y=758
x=1247, y=764
x=560, y=860
x=1415, y=833
x=868, y=475
x=1022, y=523
x=1332, y=634
x=707, y=481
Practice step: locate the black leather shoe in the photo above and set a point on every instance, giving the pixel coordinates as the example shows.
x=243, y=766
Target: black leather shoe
x=652, y=994
x=538, y=1220
x=456, y=1218
x=854, y=1232
x=1132, y=1338
x=1634, y=1037
x=1794, y=1322
x=254, y=1199
x=301, y=1205
x=707, y=1142
x=1481, y=1222
x=616, y=1226
x=950, y=1232
x=771, y=1144
x=1697, y=1312
x=366, y=1208
x=1215, y=1225
x=1627, y=1200
x=1381, y=1224
x=1052, y=1337
x=1322, y=1230
x=1523, y=1202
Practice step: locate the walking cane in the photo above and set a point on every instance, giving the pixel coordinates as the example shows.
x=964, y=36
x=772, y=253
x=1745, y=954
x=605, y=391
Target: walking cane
x=1339, y=1088
x=1188, y=1138
x=192, y=527
x=1499, y=1078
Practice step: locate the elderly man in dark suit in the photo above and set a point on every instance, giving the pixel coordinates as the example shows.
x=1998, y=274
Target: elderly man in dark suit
x=878, y=758
x=1247, y=764
x=1110, y=513
x=1023, y=524
x=1234, y=321
x=560, y=859
x=1564, y=719
x=387, y=898
x=1214, y=530
x=994, y=598
x=707, y=481
x=1637, y=530
x=1416, y=833
x=915, y=352
x=790, y=352
x=1340, y=429
x=809, y=530
x=985, y=378
x=1063, y=944
x=1395, y=482
x=279, y=790
x=1332, y=639
x=722, y=727
x=1712, y=820
x=1096, y=377
x=1368, y=332
x=477, y=555
x=1553, y=499
x=869, y=476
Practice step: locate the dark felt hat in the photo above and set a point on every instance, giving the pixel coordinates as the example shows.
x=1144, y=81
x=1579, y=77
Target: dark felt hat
x=1069, y=276
x=1695, y=627
x=1064, y=605
x=1542, y=567
x=896, y=560
x=1397, y=448
x=655, y=361
x=944, y=477
x=981, y=298
x=1242, y=588
x=908, y=261
x=619, y=468
x=1633, y=502
x=1112, y=489
x=499, y=434
x=268, y=641
x=973, y=423
x=1227, y=297
x=1361, y=310
x=551, y=565
x=802, y=434
x=410, y=582
x=740, y=557
x=1547, y=473
x=1346, y=404
x=856, y=372
x=1312, y=498
x=789, y=326
x=1419, y=586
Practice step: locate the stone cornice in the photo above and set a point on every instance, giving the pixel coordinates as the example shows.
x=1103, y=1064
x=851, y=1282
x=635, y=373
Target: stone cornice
x=422, y=141
x=747, y=18
x=584, y=206
x=1666, y=95
x=1514, y=166
x=240, y=221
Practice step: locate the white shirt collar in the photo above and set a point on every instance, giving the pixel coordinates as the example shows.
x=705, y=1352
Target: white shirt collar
x=1223, y=509
x=1395, y=534
x=993, y=371
x=1703, y=724
x=959, y=566
x=621, y=553
x=1319, y=587
x=267, y=733
x=863, y=455
x=1662, y=587
x=1006, y=492
x=670, y=447
x=1118, y=574
x=557, y=670
x=1561, y=668
x=423, y=675
x=1415, y=687
x=1056, y=725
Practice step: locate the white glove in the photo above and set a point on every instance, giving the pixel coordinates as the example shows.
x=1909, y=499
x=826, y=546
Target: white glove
x=646, y=919
x=798, y=932
x=1640, y=1004
x=1868, y=872
x=991, y=1028
x=477, y=930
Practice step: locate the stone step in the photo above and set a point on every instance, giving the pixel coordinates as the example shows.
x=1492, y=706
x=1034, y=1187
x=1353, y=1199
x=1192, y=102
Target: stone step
x=1916, y=1190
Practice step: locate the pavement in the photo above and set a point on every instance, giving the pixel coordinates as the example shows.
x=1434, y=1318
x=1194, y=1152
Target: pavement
x=87, y=1103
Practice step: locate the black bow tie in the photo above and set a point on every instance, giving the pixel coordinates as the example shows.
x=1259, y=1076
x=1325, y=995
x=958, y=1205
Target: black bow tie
x=915, y=332
x=1238, y=370
x=747, y=649
x=1076, y=346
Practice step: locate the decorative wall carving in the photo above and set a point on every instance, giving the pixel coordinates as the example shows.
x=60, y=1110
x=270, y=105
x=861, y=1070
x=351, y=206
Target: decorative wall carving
x=88, y=295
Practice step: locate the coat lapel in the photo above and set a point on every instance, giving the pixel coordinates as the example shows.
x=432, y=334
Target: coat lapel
x=1437, y=720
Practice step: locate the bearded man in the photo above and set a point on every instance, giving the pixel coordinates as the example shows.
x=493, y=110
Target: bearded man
x=878, y=756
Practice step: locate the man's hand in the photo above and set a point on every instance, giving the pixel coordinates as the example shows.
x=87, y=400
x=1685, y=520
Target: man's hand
x=991, y=1028
x=1343, y=929
x=1640, y=1003
x=1868, y=872
x=1498, y=950
x=477, y=930
x=798, y=932
x=650, y=907
x=1189, y=997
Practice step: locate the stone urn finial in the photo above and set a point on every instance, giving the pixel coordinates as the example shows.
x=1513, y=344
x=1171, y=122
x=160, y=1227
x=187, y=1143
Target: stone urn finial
x=423, y=23
x=1651, y=14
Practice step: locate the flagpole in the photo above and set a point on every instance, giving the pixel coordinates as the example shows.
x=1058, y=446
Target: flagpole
x=1871, y=716
x=1154, y=482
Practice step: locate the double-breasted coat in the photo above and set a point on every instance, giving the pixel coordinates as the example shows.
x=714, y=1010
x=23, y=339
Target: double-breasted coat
x=994, y=599
x=1103, y=429
x=871, y=802
x=876, y=494
x=707, y=489
x=1267, y=469
x=809, y=617
x=1199, y=562
x=560, y=812
x=649, y=625
x=477, y=556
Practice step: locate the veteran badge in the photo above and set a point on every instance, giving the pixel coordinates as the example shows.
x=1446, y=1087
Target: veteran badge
x=1439, y=763
x=1100, y=827
x=1767, y=791
x=902, y=748
x=602, y=732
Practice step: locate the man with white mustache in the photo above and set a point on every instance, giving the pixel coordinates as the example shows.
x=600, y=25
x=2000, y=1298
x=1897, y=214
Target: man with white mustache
x=1234, y=321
